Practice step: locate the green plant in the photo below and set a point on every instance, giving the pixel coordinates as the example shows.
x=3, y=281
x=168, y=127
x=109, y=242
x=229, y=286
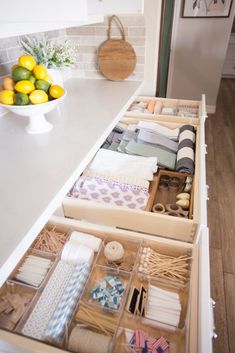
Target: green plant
x=52, y=55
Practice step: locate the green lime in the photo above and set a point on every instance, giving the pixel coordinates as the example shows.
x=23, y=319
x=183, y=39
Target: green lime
x=43, y=85
x=20, y=73
x=21, y=99
x=32, y=79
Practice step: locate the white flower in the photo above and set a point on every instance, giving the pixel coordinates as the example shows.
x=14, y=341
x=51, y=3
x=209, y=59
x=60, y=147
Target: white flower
x=50, y=54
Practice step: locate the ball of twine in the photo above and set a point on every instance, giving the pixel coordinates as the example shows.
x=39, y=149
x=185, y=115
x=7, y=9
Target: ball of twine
x=82, y=340
x=113, y=251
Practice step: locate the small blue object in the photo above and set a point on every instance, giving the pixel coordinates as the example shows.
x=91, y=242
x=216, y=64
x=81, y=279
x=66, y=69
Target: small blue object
x=109, y=292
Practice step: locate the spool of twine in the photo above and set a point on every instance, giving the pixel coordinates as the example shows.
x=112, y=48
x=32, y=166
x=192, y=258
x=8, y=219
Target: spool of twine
x=83, y=340
x=114, y=251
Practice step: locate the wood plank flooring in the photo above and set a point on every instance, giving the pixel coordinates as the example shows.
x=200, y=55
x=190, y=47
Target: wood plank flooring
x=220, y=138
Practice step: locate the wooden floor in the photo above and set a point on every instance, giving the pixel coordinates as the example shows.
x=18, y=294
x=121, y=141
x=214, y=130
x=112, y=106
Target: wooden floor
x=220, y=138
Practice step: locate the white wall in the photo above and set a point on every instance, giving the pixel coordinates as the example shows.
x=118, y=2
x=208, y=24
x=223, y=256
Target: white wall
x=197, y=55
x=152, y=11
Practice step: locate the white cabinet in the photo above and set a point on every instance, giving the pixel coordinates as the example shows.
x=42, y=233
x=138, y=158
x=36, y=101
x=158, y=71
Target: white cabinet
x=47, y=16
x=115, y=7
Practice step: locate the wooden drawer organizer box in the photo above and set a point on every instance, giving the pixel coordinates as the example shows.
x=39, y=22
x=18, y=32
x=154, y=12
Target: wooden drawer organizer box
x=109, y=322
x=179, y=228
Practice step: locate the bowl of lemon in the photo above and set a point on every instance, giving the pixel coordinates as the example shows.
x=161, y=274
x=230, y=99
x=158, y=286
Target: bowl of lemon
x=30, y=92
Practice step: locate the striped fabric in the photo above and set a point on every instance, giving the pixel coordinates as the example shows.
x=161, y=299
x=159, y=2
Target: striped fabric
x=185, y=155
x=57, y=325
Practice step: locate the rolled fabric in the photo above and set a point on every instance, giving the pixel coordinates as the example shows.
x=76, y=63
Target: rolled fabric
x=158, y=107
x=88, y=240
x=185, y=155
x=56, y=327
x=150, y=106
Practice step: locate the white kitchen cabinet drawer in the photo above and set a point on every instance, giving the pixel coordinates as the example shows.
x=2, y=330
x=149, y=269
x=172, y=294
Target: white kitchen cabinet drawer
x=188, y=343
x=183, y=229
x=107, y=7
x=197, y=107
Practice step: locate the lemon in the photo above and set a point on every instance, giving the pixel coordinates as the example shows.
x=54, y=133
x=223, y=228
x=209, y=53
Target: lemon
x=27, y=61
x=42, y=84
x=56, y=91
x=40, y=72
x=8, y=83
x=38, y=96
x=20, y=73
x=24, y=86
x=7, y=97
x=48, y=79
x=21, y=99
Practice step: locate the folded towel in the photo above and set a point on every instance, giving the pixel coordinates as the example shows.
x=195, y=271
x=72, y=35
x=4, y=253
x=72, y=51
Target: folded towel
x=152, y=126
x=123, y=164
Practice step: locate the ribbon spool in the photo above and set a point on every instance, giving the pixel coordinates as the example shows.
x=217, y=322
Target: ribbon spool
x=83, y=340
x=114, y=251
x=158, y=208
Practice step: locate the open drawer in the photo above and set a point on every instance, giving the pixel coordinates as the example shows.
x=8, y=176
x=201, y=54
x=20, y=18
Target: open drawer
x=183, y=337
x=158, y=108
x=178, y=228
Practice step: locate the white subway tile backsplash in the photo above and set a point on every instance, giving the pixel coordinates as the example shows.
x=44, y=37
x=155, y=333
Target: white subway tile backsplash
x=89, y=38
x=3, y=56
x=14, y=53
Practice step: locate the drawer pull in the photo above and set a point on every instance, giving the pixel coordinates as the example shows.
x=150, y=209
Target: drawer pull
x=207, y=193
x=205, y=148
x=212, y=306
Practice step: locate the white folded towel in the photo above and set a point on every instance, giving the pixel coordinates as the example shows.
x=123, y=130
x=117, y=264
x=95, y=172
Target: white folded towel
x=123, y=164
x=152, y=126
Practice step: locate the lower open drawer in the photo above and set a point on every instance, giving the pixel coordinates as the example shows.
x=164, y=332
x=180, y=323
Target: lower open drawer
x=118, y=327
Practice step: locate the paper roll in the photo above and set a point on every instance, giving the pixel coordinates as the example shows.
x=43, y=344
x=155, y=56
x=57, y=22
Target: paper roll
x=86, y=239
x=75, y=253
x=82, y=340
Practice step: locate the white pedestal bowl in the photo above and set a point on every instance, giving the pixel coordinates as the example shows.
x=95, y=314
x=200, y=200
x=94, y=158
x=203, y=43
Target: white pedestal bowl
x=35, y=112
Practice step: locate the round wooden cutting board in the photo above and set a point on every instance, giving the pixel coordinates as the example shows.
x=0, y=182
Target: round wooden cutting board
x=116, y=57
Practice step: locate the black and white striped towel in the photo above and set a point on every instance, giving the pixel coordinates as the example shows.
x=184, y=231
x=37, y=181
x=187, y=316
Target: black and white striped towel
x=185, y=154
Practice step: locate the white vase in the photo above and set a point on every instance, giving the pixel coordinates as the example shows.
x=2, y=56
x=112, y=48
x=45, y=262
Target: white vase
x=56, y=76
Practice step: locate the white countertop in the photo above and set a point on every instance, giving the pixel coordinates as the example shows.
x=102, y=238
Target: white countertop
x=38, y=170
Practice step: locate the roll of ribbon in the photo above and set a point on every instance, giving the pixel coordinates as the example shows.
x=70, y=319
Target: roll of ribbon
x=173, y=208
x=158, y=107
x=83, y=340
x=158, y=208
x=88, y=240
x=113, y=251
x=75, y=253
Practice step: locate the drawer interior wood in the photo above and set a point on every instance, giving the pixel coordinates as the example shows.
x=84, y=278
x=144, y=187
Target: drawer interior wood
x=121, y=319
x=194, y=106
x=144, y=221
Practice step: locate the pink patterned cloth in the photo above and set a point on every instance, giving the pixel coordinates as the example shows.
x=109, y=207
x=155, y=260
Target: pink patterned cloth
x=110, y=192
